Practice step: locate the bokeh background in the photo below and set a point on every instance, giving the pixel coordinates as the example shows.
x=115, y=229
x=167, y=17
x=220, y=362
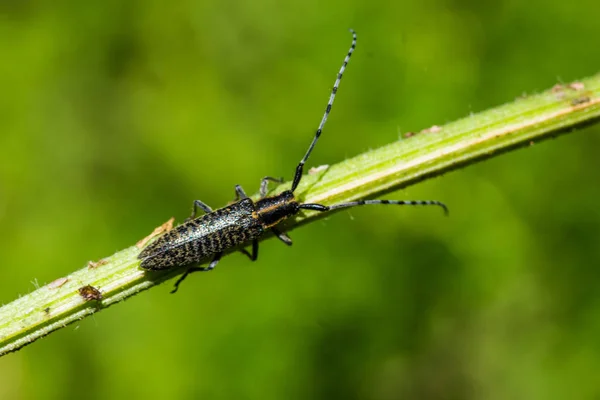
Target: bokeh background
x=116, y=115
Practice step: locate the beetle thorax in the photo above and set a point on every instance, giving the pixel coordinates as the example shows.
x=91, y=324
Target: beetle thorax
x=272, y=210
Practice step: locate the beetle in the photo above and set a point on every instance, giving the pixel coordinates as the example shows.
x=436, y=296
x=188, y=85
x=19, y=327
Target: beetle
x=244, y=221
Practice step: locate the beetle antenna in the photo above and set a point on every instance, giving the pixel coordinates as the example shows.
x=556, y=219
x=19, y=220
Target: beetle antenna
x=300, y=167
x=323, y=208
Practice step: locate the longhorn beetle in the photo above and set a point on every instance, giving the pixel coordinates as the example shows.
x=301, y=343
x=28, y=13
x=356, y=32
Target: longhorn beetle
x=244, y=221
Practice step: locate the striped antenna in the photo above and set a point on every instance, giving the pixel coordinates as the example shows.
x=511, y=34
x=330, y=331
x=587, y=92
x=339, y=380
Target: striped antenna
x=322, y=208
x=300, y=167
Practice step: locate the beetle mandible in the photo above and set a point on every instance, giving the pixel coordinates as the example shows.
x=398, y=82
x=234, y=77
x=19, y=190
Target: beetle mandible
x=244, y=221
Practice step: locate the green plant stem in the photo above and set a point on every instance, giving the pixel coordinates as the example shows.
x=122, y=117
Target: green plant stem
x=426, y=154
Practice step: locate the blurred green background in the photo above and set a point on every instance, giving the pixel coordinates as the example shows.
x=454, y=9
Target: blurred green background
x=115, y=116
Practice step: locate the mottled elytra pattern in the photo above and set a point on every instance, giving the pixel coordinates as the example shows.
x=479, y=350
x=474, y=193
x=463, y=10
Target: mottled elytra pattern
x=245, y=221
x=202, y=237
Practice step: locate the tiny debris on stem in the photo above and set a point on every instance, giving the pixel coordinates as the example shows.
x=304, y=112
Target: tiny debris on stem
x=166, y=227
x=433, y=129
x=92, y=264
x=316, y=170
x=580, y=100
x=577, y=86
x=55, y=284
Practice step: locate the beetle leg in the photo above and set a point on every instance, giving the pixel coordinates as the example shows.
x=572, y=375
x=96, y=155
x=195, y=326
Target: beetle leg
x=254, y=254
x=239, y=193
x=282, y=236
x=197, y=203
x=264, y=183
x=212, y=265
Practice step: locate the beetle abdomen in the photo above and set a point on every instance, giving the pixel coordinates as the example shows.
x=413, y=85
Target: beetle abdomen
x=198, y=239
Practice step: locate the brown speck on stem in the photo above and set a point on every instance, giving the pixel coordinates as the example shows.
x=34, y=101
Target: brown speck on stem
x=89, y=293
x=92, y=264
x=316, y=170
x=55, y=284
x=577, y=86
x=433, y=129
x=580, y=100
x=559, y=91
